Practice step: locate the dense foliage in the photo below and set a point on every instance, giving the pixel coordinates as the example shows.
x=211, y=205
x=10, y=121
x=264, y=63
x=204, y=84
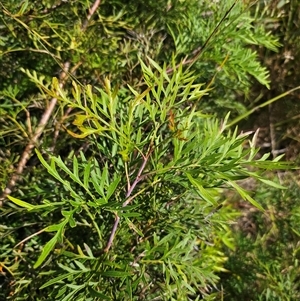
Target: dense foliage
x=266, y=261
x=125, y=106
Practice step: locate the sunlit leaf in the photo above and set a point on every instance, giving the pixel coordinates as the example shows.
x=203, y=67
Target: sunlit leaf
x=21, y=203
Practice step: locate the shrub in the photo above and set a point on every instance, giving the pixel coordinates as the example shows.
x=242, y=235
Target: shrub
x=126, y=203
x=265, y=264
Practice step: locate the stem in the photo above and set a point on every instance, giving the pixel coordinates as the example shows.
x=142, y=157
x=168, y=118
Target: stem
x=128, y=199
x=44, y=119
x=112, y=234
x=93, y=221
x=198, y=51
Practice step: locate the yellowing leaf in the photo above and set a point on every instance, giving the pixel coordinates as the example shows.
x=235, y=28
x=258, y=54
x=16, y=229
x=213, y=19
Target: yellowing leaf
x=85, y=132
x=124, y=154
x=79, y=120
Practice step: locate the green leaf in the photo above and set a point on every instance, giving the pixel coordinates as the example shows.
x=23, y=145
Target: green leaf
x=55, y=280
x=95, y=181
x=21, y=203
x=129, y=214
x=113, y=273
x=46, y=250
x=68, y=269
x=202, y=191
x=271, y=183
x=112, y=187
x=53, y=228
x=86, y=175
x=66, y=213
x=76, y=289
x=132, y=226
x=228, y=241
x=50, y=169
x=97, y=294
x=81, y=266
x=23, y=8
x=72, y=222
x=75, y=167
x=155, y=65
x=62, y=165
x=88, y=250
x=243, y=193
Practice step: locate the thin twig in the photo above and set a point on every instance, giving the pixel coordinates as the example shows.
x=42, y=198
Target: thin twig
x=274, y=144
x=112, y=234
x=30, y=236
x=128, y=199
x=44, y=120
x=138, y=177
x=272, y=132
x=34, y=139
x=65, y=116
x=92, y=10
x=198, y=51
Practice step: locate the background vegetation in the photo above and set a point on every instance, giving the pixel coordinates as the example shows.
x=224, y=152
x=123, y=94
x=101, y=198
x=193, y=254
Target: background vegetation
x=114, y=117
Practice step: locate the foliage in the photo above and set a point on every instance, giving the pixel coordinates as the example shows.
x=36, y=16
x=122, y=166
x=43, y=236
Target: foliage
x=123, y=197
x=157, y=167
x=280, y=120
x=266, y=265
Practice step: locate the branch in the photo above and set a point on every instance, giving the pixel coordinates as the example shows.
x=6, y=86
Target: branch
x=128, y=199
x=43, y=122
x=34, y=139
x=92, y=10
x=198, y=51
